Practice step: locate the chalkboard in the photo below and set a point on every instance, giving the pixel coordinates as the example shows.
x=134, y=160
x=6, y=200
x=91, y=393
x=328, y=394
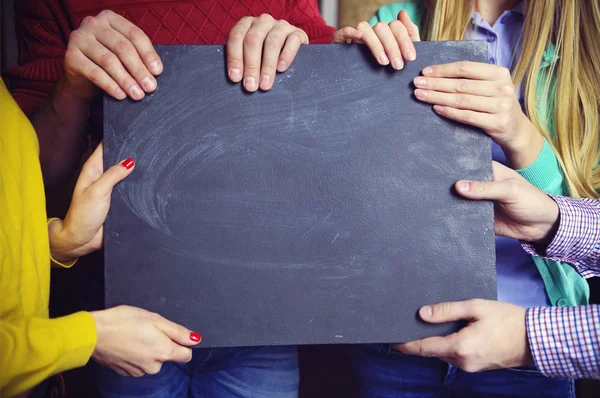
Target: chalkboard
x=319, y=212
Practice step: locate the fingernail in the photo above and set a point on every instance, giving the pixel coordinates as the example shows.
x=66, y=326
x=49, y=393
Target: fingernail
x=463, y=186
x=383, y=59
x=420, y=82
x=428, y=71
x=265, y=81
x=282, y=65
x=195, y=337
x=148, y=83
x=438, y=108
x=128, y=163
x=155, y=67
x=136, y=92
x=422, y=94
x=250, y=83
x=426, y=311
x=356, y=32
x=235, y=74
x=397, y=63
x=120, y=94
x=410, y=55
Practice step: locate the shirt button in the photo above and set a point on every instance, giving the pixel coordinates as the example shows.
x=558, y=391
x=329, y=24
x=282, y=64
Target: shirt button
x=562, y=302
x=491, y=39
x=492, y=61
x=504, y=20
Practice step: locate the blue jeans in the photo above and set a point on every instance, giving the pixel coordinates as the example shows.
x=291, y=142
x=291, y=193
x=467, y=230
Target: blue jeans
x=269, y=372
x=380, y=371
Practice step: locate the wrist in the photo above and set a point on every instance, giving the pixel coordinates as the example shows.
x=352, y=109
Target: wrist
x=522, y=151
x=62, y=247
x=549, y=225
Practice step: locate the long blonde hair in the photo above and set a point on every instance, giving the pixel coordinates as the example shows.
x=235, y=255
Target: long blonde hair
x=573, y=94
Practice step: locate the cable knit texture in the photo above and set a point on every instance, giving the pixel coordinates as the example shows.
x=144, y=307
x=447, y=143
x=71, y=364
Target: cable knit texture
x=43, y=29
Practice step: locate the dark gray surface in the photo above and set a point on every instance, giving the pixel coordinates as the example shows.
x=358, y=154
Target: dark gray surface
x=319, y=212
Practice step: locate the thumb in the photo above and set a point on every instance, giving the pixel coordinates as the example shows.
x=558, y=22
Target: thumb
x=501, y=189
x=347, y=35
x=177, y=333
x=111, y=177
x=450, y=311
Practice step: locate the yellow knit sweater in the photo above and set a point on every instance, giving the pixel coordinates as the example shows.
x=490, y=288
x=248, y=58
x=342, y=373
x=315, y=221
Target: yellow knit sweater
x=32, y=346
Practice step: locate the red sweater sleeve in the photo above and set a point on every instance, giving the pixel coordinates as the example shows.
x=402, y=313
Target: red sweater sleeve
x=305, y=14
x=42, y=36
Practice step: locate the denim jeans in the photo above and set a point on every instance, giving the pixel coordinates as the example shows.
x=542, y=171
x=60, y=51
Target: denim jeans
x=380, y=371
x=257, y=372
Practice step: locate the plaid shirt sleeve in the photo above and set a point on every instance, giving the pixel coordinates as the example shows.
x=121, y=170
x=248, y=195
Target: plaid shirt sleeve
x=565, y=341
x=577, y=240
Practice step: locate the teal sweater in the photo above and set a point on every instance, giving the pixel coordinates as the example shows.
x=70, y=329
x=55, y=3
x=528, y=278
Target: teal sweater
x=564, y=286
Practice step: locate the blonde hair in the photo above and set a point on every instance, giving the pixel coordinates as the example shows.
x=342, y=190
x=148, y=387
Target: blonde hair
x=573, y=95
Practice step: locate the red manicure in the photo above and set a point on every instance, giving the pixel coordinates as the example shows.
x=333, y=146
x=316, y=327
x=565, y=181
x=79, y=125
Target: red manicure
x=128, y=163
x=195, y=337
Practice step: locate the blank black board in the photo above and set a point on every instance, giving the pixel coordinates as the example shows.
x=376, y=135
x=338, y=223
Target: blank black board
x=319, y=212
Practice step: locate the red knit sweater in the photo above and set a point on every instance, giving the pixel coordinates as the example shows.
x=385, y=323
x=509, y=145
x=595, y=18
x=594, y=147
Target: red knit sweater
x=43, y=29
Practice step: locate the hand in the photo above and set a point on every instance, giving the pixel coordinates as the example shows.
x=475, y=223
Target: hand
x=521, y=210
x=81, y=232
x=495, y=338
x=482, y=95
x=134, y=342
x=112, y=53
x=263, y=39
x=386, y=42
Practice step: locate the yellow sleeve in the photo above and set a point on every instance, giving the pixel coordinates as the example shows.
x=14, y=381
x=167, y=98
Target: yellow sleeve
x=33, y=349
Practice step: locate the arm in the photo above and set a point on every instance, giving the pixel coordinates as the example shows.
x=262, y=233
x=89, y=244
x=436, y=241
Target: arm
x=59, y=120
x=577, y=240
x=565, y=341
x=56, y=344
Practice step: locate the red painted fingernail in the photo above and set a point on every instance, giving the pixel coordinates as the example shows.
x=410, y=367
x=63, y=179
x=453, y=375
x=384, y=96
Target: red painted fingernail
x=195, y=337
x=128, y=163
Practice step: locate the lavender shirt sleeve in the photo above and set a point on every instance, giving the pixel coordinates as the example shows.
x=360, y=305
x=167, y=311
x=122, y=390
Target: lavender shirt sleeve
x=565, y=341
x=577, y=240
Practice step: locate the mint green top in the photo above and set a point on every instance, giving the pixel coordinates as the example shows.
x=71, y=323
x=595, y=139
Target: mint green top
x=564, y=286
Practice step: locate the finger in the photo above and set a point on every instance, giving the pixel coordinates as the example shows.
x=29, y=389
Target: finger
x=140, y=41
x=92, y=169
x=253, y=48
x=104, y=185
x=458, y=86
x=484, y=121
x=235, y=49
x=177, y=333
x=274, y=42
x=429, y=347
x=94, y=73
x=180, y=354
x=390, y=44
x=401, y=36
x=411, y=27
x=290, y=49
x=467, y=70
x=461, y=101
x=347, y=35
x=373, y=43
x=451, y=311
x=490, y=190
x=123, y=53
x=132, y=370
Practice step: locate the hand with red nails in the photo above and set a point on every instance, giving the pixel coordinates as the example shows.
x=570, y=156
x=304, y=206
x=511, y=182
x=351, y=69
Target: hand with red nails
x=81, y=232
x=134, y=342
x=484, y=96
x=259, y=47
x=390, y=43
x=111, y=53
